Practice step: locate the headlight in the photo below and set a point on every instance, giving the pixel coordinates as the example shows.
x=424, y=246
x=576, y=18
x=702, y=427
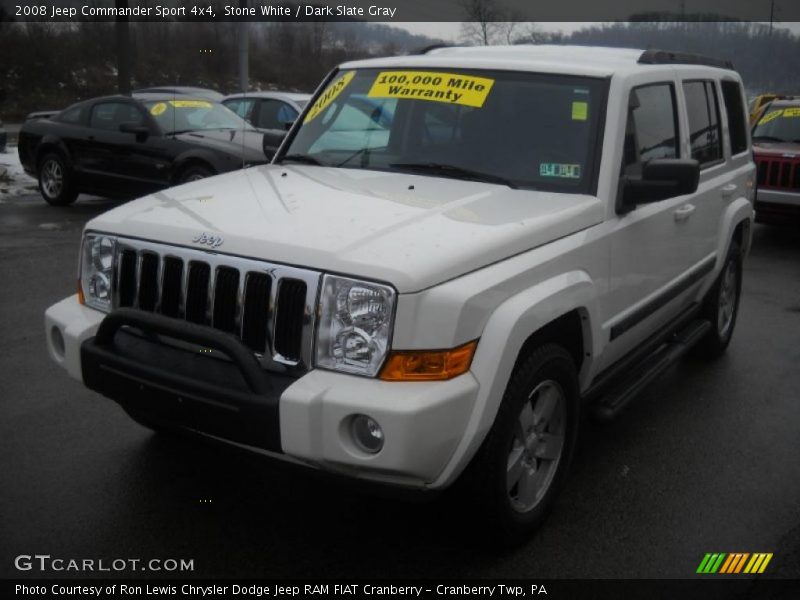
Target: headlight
x=97, y=264
x=355, y=325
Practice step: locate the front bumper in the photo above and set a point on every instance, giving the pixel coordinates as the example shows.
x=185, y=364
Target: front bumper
x=303, y=419
x=777, y=207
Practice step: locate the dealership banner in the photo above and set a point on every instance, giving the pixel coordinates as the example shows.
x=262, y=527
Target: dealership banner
x=400, y=10
x=427, y=589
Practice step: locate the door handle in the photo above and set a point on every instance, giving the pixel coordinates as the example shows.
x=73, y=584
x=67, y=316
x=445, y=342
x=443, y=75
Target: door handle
x=728, y=190
x=684, y=212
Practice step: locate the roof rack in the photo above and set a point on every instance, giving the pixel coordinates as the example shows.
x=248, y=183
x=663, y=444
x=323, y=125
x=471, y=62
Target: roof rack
x=665, y=57
x=426, y=49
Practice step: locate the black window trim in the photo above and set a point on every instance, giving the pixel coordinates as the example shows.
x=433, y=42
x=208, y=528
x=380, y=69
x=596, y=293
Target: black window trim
x=719, y=161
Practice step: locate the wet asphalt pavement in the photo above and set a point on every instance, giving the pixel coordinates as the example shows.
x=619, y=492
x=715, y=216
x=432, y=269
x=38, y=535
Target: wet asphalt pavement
x=706, y=460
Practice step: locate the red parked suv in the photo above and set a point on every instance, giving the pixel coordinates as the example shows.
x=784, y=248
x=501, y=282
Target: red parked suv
x=776, y=145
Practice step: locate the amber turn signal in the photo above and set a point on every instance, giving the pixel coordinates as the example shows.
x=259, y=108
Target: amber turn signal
x=81, y=299
x=438, y=365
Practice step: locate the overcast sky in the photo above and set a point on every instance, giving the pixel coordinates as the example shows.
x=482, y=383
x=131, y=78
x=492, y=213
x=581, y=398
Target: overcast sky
x=450, y=31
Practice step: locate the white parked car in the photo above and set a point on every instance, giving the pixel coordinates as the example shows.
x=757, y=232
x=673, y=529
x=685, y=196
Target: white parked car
x=272, y=113
x=509, y=236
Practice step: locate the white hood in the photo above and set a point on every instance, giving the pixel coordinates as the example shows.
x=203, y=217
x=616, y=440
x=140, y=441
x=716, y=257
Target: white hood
x=412, y=231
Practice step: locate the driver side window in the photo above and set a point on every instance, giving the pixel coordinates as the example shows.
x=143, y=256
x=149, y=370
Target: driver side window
x=110, y=115
x=652, y=127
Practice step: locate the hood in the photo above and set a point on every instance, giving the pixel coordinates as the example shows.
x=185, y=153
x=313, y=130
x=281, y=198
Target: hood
x=412, y=231
x=246, y=144
x=777, y=149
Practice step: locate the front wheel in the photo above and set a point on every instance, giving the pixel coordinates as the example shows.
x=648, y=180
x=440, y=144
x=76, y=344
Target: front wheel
x=194, y=173
x=524, y=460
x=721, y=306
x=55, y=181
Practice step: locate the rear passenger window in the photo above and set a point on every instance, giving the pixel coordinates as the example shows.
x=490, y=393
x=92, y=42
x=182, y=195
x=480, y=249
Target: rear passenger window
x=737, y=118
x=652, y=130
x=705, y=132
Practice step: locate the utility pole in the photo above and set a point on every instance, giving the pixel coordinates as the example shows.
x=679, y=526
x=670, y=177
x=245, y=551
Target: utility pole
x=244, y=52
x=122, y=30
x=771, y=15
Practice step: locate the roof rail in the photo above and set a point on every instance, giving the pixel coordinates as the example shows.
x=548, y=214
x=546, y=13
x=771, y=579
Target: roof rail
x=426, y=49
x=665, y=57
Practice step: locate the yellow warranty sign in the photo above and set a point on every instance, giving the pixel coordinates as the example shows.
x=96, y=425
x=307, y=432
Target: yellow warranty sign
x=190, y=103
x=791, y=112
x=158, y=109
x=450, y=88
x=770, y=116
x=329, y=95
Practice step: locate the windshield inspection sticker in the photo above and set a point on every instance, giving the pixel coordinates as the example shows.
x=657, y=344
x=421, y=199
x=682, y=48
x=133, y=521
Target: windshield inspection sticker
x=189, y=104
x=450, y=88
x=329, y=95
x=580, y=111
x=158, y=109
x=559, y=170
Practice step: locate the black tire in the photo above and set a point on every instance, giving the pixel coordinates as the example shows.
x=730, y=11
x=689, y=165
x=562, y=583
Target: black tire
x=504, y=518
x=717, y=307
x=194, y=173
x=55, y=180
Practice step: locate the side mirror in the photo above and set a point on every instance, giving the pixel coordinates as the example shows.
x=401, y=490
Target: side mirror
x=661, y=178
x=140, y=131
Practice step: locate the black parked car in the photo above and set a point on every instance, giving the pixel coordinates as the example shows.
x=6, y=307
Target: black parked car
x=119, y=146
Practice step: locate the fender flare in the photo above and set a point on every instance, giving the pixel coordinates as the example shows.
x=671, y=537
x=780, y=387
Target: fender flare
x=735, y=213
x=508, y=328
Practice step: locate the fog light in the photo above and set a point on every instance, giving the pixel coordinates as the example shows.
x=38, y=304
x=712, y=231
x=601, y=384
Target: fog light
x=58, y=341
x=367, y=434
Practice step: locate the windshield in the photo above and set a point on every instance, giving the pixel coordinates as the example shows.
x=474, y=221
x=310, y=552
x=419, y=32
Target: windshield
x=176, y=116
x=779, y=125
x=527, y=130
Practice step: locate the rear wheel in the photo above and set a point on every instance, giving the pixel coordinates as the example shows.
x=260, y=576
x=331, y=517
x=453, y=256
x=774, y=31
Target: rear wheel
x=721, y=306
x=55, y=180
x=524, y=460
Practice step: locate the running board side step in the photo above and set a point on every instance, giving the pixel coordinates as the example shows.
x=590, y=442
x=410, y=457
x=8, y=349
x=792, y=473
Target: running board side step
x=608, y=405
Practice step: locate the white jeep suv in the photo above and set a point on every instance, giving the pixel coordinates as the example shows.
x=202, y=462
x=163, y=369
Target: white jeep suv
x=452, y=255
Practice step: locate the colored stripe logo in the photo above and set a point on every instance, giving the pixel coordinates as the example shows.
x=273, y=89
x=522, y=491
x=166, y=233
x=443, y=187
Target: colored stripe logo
x=734, y=563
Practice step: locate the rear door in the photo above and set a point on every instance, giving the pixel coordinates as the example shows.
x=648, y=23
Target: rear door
x=703, y=118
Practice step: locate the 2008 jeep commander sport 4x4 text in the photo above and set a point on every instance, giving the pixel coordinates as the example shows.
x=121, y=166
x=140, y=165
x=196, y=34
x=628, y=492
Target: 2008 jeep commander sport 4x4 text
x=451, y=256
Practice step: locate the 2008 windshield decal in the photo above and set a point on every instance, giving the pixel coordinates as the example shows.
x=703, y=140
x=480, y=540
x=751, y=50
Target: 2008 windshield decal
x=329, y=95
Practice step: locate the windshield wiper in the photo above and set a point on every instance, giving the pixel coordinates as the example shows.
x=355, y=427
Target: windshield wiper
x=768, y=138
x=455, y=172
x=301, y=158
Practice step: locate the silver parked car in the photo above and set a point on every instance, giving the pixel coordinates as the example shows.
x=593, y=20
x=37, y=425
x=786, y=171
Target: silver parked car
x=272, y=113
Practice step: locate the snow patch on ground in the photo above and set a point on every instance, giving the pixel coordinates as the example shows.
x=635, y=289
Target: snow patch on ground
x=13, y=180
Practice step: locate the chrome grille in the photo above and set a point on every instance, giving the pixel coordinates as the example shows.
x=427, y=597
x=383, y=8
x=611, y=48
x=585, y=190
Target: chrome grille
x=270, y=307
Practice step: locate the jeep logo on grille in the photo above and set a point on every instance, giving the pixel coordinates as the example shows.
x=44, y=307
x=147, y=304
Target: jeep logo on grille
x=209, y=240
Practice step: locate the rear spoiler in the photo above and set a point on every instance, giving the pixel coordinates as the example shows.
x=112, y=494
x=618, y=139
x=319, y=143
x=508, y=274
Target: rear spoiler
x=41, y=114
